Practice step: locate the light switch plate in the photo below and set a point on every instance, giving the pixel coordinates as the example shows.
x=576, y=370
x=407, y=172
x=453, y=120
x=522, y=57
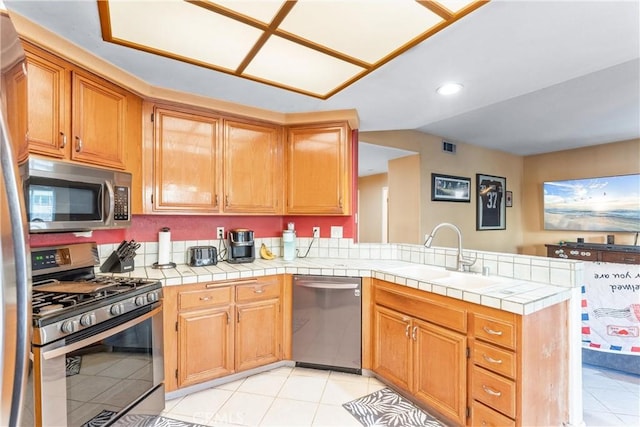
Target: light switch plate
x=336, y=232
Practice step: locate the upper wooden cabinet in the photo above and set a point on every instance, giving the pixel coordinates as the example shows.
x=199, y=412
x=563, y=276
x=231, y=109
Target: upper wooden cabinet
x=184, y=162
x=319, y=172
x=253, y=172
x=74, y=115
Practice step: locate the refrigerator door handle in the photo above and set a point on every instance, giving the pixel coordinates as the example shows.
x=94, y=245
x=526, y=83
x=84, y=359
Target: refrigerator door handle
x=23, y=284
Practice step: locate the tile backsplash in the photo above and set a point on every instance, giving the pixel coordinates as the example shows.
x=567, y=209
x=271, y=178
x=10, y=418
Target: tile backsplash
x=523, y=267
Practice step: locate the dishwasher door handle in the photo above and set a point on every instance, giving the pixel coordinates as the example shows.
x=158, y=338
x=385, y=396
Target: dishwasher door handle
x=328, y=285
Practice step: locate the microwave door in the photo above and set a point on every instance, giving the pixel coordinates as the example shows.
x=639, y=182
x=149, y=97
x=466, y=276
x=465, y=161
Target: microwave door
x=57, y=205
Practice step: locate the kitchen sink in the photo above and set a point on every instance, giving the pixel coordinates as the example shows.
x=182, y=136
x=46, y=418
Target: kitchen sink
x=468, y=281
x=425, y=273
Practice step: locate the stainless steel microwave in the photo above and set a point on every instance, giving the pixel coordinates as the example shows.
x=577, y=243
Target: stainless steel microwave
x=61, y=196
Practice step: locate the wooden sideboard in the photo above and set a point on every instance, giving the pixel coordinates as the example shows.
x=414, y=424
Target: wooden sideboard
x=621, y=254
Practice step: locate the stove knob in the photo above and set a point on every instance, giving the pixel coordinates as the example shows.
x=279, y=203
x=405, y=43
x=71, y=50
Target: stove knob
x=152, y=297
x=141, y=300
x=69, y=326
x=88, y=319
x=116, y=309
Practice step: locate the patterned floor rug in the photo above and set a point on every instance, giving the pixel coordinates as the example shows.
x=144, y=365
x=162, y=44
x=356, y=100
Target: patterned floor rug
x=130, y=420
x=73, y=365
x=386, y=408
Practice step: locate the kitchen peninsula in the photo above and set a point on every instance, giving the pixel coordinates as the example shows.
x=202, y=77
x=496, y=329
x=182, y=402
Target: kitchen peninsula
x=504, y=342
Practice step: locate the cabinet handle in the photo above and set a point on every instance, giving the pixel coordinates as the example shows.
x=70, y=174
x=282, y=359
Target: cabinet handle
x=491, y=391
x=215, y=203
x=491, y=359
x=340, y=202
x=238, y=316
x=258, y=290
x=205, y=298
x=491, y=331
x=78, y=144
x=226, y=201
x=227, y=313
x=64, y=140
x=406, y=331
x=414, y=333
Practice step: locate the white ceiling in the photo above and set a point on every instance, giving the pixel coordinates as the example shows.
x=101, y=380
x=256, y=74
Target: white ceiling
x=538, y=76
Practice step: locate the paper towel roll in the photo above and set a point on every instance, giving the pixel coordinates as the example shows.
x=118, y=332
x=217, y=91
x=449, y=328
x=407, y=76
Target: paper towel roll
x=164, y=246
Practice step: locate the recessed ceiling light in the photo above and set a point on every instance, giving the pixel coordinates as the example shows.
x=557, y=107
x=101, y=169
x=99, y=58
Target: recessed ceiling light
x=449, y=88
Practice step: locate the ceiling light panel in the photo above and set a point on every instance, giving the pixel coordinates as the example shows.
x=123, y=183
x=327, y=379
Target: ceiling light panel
x=455, y=5
x=315, y=47
x=364, y=29
x=182, y=29
x=263, y=11
x=293, y=65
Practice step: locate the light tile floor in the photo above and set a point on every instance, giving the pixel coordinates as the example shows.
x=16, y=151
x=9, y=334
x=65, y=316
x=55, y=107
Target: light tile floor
x=610, y=398
x=306, y=397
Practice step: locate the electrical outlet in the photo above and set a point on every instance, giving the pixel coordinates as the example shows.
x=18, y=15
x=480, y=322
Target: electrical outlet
x=316, y=231
x=220, y=232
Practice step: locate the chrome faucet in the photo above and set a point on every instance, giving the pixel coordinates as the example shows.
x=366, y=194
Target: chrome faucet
x=463, y=263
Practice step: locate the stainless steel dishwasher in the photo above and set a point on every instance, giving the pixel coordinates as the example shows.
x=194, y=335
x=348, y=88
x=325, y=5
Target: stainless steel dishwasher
x=327, y=322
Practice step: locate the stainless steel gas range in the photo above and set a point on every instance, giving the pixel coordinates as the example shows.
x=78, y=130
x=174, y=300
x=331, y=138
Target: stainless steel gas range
x=97, y=340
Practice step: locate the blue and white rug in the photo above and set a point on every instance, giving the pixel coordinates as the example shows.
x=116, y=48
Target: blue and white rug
x=386, y=408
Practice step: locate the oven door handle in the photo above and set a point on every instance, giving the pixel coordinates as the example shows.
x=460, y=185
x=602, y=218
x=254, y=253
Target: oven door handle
x=61, y=351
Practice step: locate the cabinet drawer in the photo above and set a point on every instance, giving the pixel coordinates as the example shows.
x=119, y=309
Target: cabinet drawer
x=193, y=300
x=620, y=257
x=497, y=331
x=483, y=416
x=260, y=290
x=494, y=391
x=495, y=359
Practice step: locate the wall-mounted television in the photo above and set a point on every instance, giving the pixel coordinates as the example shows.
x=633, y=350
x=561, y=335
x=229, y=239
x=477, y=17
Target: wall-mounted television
x=610, y=203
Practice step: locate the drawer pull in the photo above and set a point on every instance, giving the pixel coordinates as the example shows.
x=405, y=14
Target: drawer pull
x=491, y=359
x=205, y=298
x=491, y=331
x=491, y=391
x=258, y=290
x=406, y=331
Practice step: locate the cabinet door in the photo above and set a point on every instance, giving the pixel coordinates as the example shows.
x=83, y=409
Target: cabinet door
x=15, y=83
x=440, y=369
x=253, y=172
x=99, y=121
x=186, y=162
x=257, y=334
x=319, y=170
x=392, y=346
x=47, y=103
x=205, y=345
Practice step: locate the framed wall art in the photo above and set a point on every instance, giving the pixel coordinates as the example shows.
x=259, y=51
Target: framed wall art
x=449, y=188
x=491, y=202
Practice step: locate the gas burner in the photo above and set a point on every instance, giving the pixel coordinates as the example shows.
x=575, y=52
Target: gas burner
x=50, y=308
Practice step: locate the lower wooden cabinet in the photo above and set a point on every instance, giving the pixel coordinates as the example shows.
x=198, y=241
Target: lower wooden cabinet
x=471, y=364
x=422, y=358
x=215, y=329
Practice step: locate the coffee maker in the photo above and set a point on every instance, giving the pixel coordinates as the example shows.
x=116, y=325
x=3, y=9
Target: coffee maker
x=241, y=246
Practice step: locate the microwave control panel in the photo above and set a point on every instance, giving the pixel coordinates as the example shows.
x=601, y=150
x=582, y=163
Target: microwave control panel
x=121, y=203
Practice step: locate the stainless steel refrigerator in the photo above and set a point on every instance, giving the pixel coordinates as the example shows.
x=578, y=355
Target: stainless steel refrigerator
x=15, y=282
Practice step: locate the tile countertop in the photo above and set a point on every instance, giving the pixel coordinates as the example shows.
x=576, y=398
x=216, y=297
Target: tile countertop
x=508, y=294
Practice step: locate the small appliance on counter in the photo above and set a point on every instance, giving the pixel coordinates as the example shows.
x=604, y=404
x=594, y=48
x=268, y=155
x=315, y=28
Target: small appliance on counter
x=200, y=256
x=241, y=246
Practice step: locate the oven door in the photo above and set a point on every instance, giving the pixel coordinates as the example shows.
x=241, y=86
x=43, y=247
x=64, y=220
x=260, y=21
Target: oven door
x=100, y=373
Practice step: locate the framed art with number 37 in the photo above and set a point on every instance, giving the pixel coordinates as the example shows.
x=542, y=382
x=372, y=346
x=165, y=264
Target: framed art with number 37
x=490, y=199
